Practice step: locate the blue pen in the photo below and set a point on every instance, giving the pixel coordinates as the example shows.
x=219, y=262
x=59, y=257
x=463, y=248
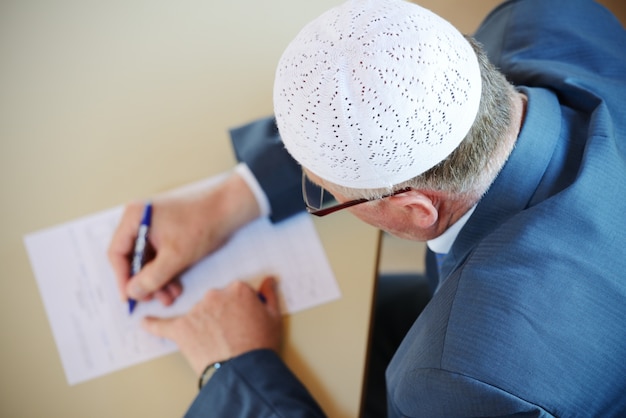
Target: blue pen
x=139, y=254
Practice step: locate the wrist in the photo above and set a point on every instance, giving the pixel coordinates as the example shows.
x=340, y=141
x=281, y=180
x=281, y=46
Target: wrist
x=262, y=201
x=238, y=204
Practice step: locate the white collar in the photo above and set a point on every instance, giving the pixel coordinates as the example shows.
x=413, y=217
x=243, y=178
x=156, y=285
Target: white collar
x=443, y=242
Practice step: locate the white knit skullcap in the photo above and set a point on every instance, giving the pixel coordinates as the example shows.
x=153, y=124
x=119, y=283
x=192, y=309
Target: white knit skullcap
x=375, y=92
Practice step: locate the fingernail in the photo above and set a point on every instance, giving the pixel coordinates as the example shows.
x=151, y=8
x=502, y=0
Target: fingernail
x=135, y=290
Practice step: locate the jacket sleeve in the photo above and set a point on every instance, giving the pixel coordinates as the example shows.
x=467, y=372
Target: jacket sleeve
x=258, y=144
x=255, y=384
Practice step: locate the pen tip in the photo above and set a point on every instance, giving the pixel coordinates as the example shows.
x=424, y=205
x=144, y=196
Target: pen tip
x=131, y=306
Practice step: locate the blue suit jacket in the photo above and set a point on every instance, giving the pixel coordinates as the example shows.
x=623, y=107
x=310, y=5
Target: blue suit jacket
x=529, y=315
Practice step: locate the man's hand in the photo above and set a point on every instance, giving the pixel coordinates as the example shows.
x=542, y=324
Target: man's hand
x=184, y=229
x=224, y=324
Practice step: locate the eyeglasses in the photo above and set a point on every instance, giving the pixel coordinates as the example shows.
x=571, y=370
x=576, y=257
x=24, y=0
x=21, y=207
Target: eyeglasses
x=320, y=202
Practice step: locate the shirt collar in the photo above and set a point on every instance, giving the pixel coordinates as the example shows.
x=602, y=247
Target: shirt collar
x=443, y=242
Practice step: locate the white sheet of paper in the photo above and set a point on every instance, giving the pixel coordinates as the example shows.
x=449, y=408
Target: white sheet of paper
x=93, y=331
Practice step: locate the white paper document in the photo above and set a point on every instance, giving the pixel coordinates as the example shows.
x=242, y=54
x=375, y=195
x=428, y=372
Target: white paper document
x=93, y=331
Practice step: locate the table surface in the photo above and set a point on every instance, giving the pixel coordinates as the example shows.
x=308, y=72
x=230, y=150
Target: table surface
x=104, y=102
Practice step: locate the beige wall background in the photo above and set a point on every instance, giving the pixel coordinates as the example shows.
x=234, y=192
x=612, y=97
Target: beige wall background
x=109, y=81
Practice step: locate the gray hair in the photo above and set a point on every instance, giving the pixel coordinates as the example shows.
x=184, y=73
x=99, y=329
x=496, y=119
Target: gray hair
x=470, y=169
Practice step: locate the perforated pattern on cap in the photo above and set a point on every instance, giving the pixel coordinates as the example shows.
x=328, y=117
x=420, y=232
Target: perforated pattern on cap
x=373, y=93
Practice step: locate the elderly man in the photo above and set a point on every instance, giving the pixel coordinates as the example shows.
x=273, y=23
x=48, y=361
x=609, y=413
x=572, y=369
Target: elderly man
x=514, y=176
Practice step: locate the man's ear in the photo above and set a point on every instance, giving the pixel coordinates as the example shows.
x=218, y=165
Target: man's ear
x=419, y=206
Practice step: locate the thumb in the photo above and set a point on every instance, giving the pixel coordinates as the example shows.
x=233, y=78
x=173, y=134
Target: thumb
x=269, y=291
x=160, y=327
x=153, y=276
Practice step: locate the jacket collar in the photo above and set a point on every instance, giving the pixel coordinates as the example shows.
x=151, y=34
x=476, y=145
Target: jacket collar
x=514, y=187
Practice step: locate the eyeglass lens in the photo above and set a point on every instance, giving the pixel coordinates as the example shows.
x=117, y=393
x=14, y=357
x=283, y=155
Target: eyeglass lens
x=316, y=196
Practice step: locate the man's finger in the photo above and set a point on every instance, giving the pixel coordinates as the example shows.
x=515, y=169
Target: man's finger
x=268, y=289
x=160, y=327
x=153, y=276
x=168, y=294
x=121, y=268
x=122, y=244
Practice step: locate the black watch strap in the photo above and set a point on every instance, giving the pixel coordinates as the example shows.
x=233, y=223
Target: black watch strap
x=208, y=372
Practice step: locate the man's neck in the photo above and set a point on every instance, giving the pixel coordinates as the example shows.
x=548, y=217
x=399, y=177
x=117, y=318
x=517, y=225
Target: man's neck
x=452, y=210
